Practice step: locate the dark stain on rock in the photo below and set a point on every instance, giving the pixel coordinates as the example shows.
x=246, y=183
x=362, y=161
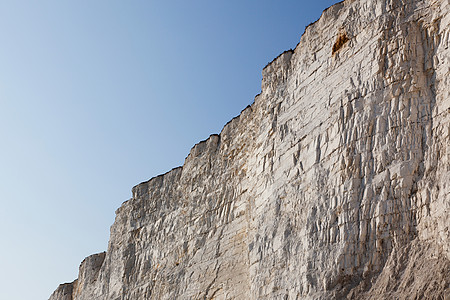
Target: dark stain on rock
x=340, y=41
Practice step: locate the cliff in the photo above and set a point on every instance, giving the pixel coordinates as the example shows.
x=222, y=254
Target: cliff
x=334, y=183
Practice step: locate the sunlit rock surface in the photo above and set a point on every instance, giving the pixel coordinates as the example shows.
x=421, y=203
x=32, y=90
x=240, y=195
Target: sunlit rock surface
x=334, y=183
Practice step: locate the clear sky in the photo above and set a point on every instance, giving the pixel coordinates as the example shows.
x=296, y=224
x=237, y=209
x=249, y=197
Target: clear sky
x=98, y=96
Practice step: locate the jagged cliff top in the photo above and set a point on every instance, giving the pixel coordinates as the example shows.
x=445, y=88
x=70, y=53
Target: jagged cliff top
x=334, y=9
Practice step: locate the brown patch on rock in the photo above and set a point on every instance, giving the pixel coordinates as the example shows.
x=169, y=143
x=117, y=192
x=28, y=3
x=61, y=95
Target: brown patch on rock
x=340, y=41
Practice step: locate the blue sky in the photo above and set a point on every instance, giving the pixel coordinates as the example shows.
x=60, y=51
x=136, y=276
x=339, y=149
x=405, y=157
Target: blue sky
x=98, y=96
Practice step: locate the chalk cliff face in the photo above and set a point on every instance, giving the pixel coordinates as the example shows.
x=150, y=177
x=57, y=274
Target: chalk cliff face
x=334, y=183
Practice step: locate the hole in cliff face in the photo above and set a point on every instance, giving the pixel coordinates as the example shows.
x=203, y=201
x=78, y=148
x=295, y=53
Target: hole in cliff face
x=341, y=40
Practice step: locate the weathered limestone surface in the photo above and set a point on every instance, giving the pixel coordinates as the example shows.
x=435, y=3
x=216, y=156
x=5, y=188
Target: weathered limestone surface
x=334, y=183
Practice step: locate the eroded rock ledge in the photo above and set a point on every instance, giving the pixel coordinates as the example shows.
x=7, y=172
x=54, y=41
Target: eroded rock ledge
x=334, y=183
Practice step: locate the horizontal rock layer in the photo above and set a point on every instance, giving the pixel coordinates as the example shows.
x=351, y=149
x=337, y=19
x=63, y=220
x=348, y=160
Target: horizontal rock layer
x=334, y=183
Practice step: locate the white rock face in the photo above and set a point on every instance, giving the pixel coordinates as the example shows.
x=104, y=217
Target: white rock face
x=335, y=183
